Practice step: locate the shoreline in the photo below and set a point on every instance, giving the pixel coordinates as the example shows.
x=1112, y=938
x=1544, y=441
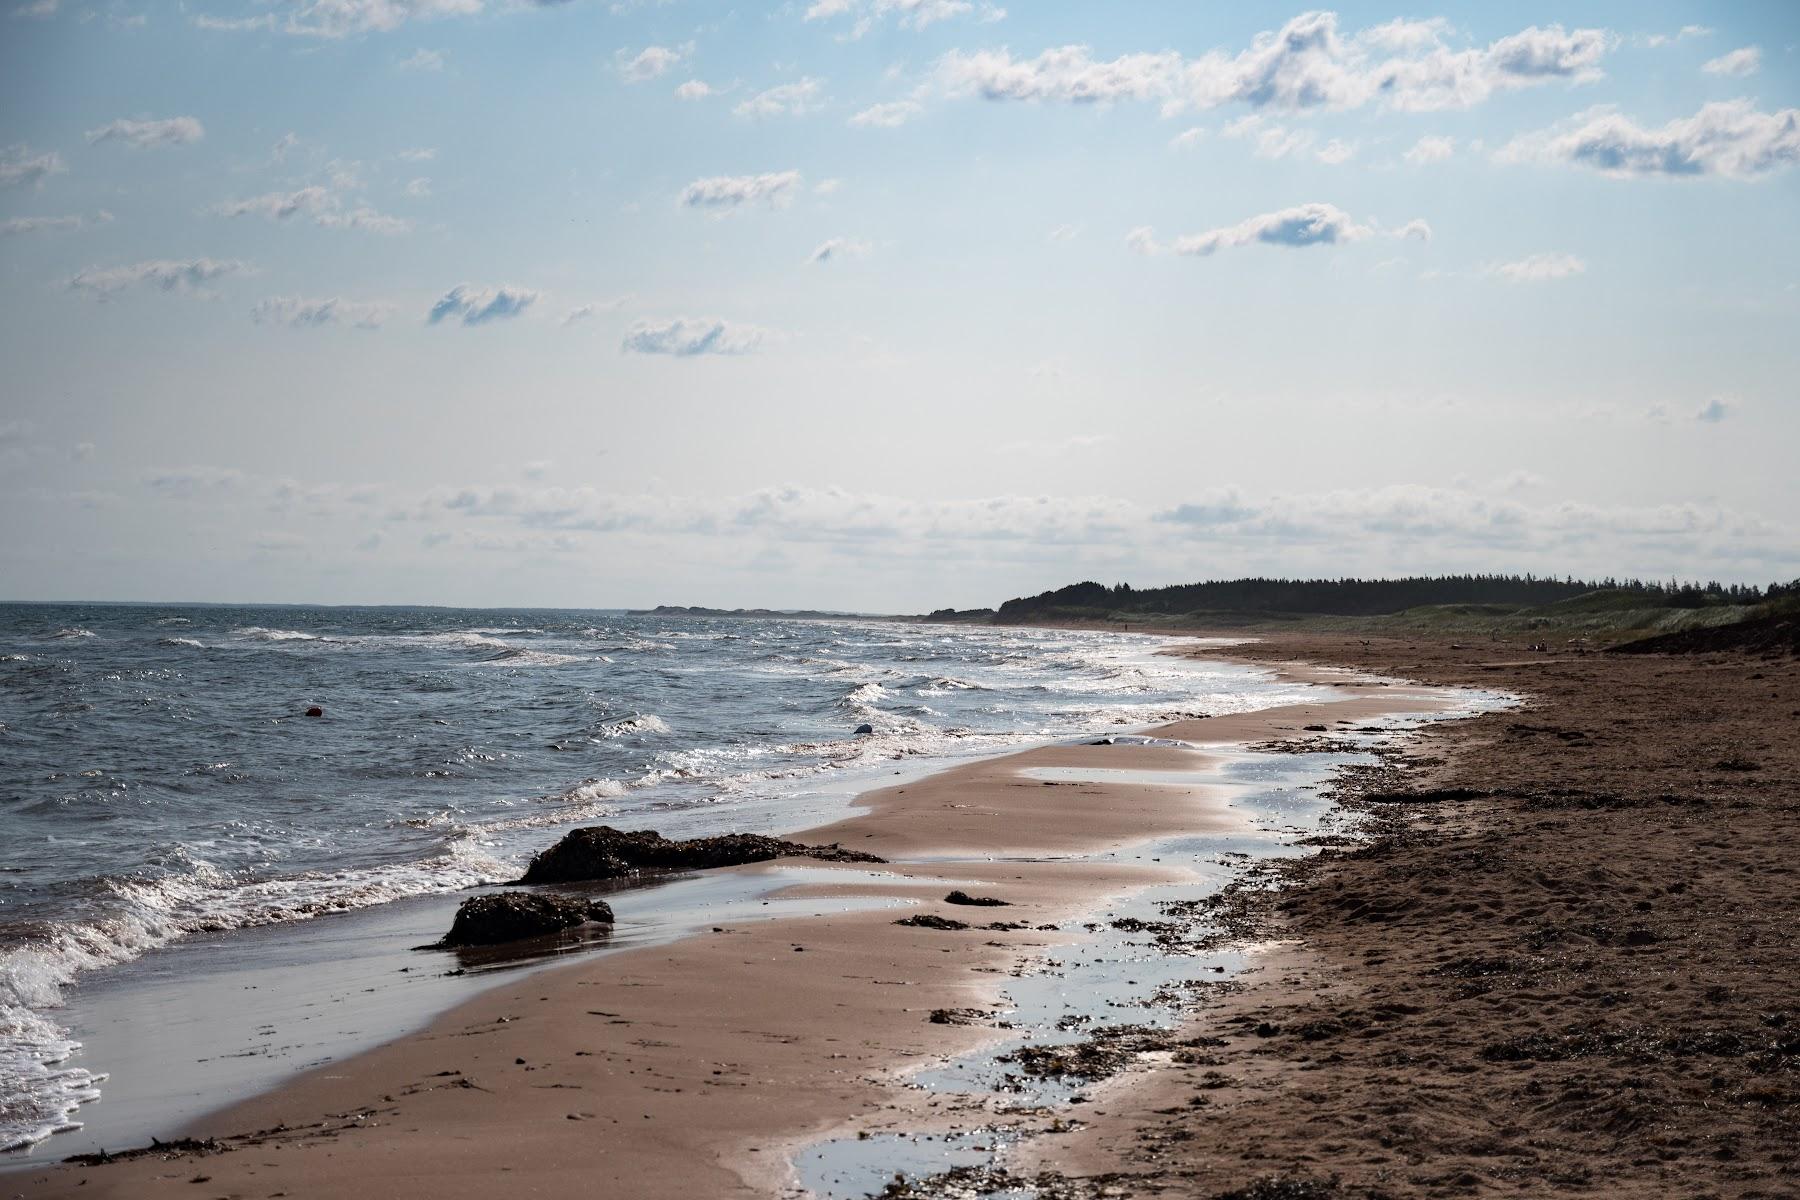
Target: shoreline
x=903, y=821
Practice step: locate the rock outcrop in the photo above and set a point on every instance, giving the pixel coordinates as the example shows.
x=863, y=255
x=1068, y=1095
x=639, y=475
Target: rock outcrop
x=513, y=916
x=602, y=852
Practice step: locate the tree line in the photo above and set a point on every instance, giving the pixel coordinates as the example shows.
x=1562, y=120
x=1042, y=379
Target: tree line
x=1353, y=597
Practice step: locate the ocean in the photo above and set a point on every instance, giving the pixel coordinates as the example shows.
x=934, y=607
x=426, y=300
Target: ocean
x=161, y=782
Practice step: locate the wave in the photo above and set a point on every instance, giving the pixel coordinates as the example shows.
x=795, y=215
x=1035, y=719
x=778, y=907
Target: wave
x=468, y=639
x=513, y=656
x=150, y=912
x=943, y=685
x=194, y=643
x=256, y=633
x=69, y=634
x=636, y=723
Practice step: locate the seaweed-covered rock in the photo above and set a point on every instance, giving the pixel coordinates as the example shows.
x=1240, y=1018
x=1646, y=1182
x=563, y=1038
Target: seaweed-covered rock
x=512, y=916
x=961, y=897
x=932, y=921
x=602, y=852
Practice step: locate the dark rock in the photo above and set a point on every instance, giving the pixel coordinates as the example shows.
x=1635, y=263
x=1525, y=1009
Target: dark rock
x=962, y=897
x=602, y=852
x=315, y=711
x=932, y=921
x=865, y=728
x=512, y=916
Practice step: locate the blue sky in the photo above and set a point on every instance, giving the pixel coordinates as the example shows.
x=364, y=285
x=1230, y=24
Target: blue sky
x=887, y=304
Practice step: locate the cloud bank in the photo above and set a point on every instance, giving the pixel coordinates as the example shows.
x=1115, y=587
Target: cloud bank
x=1308, y=63
x=163, y=275
x=1732, y=139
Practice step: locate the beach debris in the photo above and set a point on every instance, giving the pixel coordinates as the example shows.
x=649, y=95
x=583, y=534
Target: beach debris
x=315, y=711
x=176, y=1148
x=602, y=852
x=932, y=921
x=958, y=1016
x=513, y=916
x=961, y=897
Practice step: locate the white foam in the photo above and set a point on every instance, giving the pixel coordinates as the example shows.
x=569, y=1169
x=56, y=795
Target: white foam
x=256, y=633
x=635, y=724
x=40, y=1093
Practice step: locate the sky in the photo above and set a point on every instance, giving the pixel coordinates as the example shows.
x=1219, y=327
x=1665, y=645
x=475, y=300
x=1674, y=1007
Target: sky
x=887, y=305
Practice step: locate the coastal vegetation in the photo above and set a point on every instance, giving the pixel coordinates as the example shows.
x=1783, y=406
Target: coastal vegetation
x=1474, y=604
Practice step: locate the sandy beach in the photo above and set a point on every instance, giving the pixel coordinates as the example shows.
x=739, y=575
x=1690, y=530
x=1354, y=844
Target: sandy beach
x=697, y=1068
x=1546, y=950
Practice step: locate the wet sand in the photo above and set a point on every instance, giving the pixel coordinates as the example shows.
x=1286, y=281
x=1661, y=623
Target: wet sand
x=699, y=1067
x=1567, y=967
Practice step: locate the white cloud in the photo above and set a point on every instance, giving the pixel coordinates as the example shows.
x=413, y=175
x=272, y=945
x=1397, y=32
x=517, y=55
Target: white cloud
x=724, y=193
x=650, y=62
x=1431, y=148
x=167, y=275
x=1714, y=410
x=594, y=308
x=19, y=166
x=787, y=99
x=1303, y=225
x=688, y=337
x=190, y=483
x=366, y=220
x=693, y=89
x=840, y=248
x=1418, y=227
x=1744, y=61
x=1307, y=64
x=1663, y=39
x=39, y=9
x=889, y=115
x=144, y=134
x=1537, y=268
x=342, y=18
x=474, y=305
x=1065, y=233
x=309, y=314
x=1272, y=141
x=1188, y=138
x=908, y=14
x=423, y=60
x=418, y=189
x=24, y=225
x=417, y=154
x=324, y=206
x=279, y=206
x=1336, y=152
x=1730, y=138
